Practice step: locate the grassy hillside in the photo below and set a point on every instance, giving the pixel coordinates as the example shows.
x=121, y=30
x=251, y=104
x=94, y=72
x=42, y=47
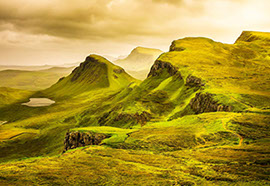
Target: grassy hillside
x=10, y=95
x=139, y=61
x=32, y=80
x=200, y=118
x=94, y=73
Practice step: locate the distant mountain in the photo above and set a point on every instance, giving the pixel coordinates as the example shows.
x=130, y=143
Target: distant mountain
x=201, y=117
x=32, y=80
x=139, y=61
x=18, y=67
x=94, y=73
x=10, y=95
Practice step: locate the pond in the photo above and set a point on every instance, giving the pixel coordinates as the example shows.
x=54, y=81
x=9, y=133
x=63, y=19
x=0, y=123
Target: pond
x=39, y=102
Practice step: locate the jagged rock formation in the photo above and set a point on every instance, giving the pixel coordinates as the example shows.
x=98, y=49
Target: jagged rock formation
x=205, y=103
x=80, y=139
x=119, y=70
x=140, y=118
x=158, y=66
x=174, y=48
x=125, y=117
x=194, y=81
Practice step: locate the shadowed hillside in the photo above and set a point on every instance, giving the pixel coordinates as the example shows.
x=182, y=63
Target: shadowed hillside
x=201, y=117
x=94, y=73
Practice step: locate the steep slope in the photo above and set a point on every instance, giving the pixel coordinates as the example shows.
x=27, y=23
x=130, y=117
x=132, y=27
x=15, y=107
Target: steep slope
x=139, y=61
x=32, y=80
x=94, y=73
x=199, y=75
x=201, y=117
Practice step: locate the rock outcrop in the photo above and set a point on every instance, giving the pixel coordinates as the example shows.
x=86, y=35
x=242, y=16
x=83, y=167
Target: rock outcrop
x=80, y=139
x=158, y=66
x=174, y=48
x=205, y=103
x=118, y=70
x=193, y=81
x=140, y=118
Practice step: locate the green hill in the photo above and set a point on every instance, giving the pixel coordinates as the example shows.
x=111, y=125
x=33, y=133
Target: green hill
x=32, y=80
x=201, y=117
x=94, y=73
x=10, y=95
x=139, y=61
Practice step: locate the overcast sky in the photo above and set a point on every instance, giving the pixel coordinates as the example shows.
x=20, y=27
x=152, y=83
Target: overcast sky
x=66, y=31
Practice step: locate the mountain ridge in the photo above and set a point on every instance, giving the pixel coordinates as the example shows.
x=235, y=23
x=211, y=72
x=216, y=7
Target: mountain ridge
x=94, y=73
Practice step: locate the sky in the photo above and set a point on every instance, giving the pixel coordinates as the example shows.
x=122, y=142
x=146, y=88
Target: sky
x=38, y=32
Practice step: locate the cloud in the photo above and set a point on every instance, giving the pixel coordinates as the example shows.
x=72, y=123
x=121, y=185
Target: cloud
x=116, y=26
x=83, y=19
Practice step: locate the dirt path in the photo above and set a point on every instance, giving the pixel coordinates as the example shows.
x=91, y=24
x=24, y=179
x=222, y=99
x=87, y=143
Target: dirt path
x=247, y=105
x=3, y=122
x=238, y=135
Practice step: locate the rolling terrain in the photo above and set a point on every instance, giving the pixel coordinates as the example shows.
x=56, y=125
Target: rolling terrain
x=32, y=80
x=201, y=117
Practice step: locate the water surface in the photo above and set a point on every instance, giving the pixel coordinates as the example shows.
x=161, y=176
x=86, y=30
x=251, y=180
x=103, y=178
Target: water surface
x=39, y=102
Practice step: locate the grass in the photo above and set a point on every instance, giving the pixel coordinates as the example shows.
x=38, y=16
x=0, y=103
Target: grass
x=10, y=95
x=174, y=147
x=117, y=135
x=32, y=80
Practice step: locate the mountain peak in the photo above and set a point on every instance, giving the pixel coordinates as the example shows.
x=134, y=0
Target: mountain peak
x=95, y=72
x=251, y=36
x=139, y=61
x=145, y=50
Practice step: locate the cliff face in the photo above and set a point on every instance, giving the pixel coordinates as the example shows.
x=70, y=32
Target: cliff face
x=112, y=117
x=193, y=81
x=158, y=66
x=205, y=103
x=86, y=66
x=80, y=139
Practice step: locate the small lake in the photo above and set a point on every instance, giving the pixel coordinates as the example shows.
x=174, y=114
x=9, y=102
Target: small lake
x=39, y=102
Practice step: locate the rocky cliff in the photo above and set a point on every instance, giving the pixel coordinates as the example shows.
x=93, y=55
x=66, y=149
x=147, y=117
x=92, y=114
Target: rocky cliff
x=193, y=81
x=158, y=66
x=204, y=102
x=80, y=139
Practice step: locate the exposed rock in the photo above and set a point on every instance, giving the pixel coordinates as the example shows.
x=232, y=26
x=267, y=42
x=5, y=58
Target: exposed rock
x=125, y=117
x=205, y=103
x=193, y=81
x=118, y=71
x=156, y=69
x=60, y=79
x=80, y=139
x=174, y=48
x=140, y=118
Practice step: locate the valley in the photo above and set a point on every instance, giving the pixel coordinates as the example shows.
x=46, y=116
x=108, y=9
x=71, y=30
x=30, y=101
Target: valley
x=200, y=117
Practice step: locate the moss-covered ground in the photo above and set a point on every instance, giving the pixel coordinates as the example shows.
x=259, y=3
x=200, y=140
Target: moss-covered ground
x=173, y=146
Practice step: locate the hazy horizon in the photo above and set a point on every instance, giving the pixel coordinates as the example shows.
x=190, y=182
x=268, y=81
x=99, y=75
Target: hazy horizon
x=55, y=33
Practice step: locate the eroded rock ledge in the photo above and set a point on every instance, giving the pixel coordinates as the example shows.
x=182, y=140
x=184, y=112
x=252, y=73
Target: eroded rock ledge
x=205, y=103
x=80, y=139
x=156, y=69
x=194, y=81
